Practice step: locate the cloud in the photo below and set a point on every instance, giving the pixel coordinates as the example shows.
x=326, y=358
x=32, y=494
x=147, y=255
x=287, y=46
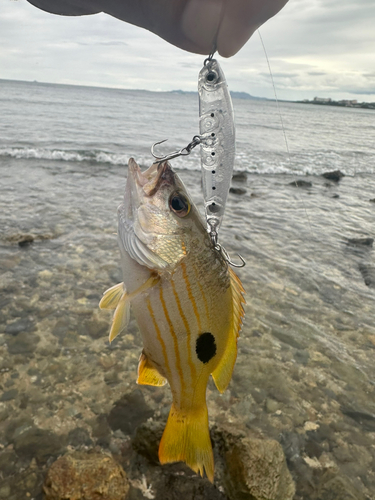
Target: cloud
x=313, y=46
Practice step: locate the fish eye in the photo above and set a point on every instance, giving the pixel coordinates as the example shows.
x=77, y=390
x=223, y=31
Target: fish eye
x=179, y=204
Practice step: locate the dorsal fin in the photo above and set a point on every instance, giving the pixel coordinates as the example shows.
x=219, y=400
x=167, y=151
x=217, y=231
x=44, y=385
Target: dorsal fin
x=223, y=372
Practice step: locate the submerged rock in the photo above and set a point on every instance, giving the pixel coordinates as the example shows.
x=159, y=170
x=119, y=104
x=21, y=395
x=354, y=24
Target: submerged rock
x=363, y=242
x=335, y=175
x=237, y=190
x=255, y=468
x=300, y=183
x=368, y=274
x=86, y=476
x=240, y=177
x=129, y=412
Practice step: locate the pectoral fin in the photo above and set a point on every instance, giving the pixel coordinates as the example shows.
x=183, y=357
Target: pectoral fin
x=223, y=372
x=148, y=374
x=121, y=317
x=112, y=296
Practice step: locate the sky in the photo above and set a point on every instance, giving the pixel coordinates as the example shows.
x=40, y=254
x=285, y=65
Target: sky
x=323, y=48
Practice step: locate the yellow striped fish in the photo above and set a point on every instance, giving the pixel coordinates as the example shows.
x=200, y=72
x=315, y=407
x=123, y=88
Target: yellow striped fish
x=187, y=302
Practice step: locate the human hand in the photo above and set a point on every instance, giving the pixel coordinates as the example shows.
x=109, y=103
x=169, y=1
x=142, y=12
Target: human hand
x=192, y=25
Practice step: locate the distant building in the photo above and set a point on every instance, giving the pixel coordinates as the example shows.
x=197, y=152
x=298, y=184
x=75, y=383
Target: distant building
x=346, y=102
x=322, y=99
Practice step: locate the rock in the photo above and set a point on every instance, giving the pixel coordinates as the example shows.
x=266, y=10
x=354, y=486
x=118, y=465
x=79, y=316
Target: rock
x=335, y=175
x=256, y=469
x=339, y=488
x=336, y=196
x=96, y=328
x=86, y=476
x=9, y=395
x=23, y=343
x=38, y=443
x=147, y=438
x=372, y=200
x=237, y=190
x=240, y=177
x=78, y=437
x=26, y=240
x=129, y=412
x=20, y=325
x=361, y=242
x=368, y=274
x=366, y=420
x=300, y=183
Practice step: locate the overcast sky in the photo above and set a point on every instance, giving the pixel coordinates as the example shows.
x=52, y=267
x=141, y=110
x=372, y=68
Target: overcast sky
x=322, y=48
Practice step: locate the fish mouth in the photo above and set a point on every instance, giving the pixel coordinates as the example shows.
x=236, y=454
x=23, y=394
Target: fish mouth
x=140, y=184
x=151, y=179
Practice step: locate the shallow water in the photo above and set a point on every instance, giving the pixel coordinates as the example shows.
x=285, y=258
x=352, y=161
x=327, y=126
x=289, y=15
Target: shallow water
x=305, y=373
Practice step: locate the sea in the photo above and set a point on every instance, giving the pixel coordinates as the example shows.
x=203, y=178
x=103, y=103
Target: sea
x=305, y=371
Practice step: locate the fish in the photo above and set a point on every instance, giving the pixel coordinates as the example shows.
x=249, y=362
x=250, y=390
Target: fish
x=187, y=301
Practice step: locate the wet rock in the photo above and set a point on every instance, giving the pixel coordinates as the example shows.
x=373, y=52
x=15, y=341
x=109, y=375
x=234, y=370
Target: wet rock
x=372, y=200
x=78, y=437
x=361, y=242
x=147, y=438
x=368, y=274
x=9, y=395
x=37, y=443
x=336, y=196
x=20, y=325
x=335, y=175
x=338, y=488
x=96, y=328
x=256, y=469
x=26, y=240
x=180, y=485
x=129, y=412
x=23, y=343
x=86, y=476
x=366, y=420
x=235, y=190
x=300, y=183
x=240, y=177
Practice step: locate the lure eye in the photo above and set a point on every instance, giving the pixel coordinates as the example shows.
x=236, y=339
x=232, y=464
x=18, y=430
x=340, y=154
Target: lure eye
x=179, y=204
x=211, y=77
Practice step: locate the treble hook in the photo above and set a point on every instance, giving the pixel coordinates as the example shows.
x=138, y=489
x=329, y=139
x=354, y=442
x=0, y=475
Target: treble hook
x=182, y=152
x=222, y=250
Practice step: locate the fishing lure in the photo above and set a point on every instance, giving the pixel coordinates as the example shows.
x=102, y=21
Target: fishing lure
x=217, y=141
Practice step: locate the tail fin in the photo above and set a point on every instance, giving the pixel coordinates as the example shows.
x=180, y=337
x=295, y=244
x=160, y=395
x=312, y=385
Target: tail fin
x=186, y=438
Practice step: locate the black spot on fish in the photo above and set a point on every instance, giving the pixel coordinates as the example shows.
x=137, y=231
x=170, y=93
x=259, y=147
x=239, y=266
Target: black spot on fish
x=205, y=347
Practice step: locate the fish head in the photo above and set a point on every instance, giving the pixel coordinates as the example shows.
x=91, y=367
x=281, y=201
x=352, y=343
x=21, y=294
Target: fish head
x=158, y=222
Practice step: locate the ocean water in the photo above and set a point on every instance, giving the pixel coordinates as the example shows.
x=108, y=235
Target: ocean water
x=305, y=371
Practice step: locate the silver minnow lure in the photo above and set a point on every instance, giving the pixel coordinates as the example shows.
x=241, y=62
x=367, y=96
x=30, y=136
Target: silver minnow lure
x=216, y=124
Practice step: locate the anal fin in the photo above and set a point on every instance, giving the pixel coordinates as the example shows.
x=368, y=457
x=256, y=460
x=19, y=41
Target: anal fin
x=148, y=374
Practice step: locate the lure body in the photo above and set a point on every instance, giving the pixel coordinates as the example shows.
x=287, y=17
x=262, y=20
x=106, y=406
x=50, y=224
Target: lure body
x=217, y=131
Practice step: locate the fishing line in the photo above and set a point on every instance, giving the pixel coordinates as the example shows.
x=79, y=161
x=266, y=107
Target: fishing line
x=282, y=125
